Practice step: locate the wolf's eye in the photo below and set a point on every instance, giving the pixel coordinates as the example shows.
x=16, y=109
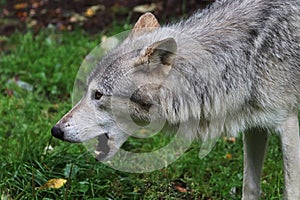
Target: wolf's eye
x=97, y=95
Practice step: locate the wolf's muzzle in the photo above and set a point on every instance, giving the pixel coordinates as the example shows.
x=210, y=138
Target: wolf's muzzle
x=57, y=132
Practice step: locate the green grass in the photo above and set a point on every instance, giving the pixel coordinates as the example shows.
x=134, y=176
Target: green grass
x=49, y=62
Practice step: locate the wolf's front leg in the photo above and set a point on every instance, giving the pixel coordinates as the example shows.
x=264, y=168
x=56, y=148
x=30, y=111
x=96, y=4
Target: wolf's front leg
x=255, y=145
x=289, y=133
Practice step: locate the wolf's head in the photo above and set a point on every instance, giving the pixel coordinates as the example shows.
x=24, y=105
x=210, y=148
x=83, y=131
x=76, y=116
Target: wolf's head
x=126, y=89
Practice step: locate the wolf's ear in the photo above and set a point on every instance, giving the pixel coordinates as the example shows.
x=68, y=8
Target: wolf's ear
x=159, y=56
x=146, y=23
x=161, y=52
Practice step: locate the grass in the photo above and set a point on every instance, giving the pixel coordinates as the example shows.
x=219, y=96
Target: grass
x=49, y=62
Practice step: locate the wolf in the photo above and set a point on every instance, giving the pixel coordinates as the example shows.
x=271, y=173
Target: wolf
x=233, y=67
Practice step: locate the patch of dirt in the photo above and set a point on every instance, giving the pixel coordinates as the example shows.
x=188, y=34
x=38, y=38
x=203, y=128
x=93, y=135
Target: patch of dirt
x=91, y=15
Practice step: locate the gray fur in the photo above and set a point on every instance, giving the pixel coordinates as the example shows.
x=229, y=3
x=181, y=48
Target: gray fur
x=233, y=67
x=247, y=52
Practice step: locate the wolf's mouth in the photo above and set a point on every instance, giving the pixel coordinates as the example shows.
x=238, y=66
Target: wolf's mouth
x=101, y=147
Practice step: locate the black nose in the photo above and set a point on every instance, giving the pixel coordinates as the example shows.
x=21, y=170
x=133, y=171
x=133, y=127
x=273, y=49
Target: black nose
x=57, y=132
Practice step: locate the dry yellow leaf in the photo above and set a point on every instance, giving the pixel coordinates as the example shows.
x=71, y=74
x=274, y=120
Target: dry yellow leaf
x=228, y=156
x=55, y=183
x=20, y=6
x=90, y=12
x=230, y=139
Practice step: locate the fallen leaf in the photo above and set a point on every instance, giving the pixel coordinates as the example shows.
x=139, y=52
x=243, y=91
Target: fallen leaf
x=22, y=15
x=35, y=4
x=91, y=11
x=32, y=23
x=232, y=139
x=77, y=18
x=145, y=8
x=20, y=6
x=55, y=183
x=228, y=156
x=180, y=189
x=5, y=12
x=62, y=27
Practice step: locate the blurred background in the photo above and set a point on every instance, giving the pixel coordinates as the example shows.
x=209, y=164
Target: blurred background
x=91, y=15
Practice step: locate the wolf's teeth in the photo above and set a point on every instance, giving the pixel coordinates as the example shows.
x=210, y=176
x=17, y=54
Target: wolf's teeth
x=97, y=152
